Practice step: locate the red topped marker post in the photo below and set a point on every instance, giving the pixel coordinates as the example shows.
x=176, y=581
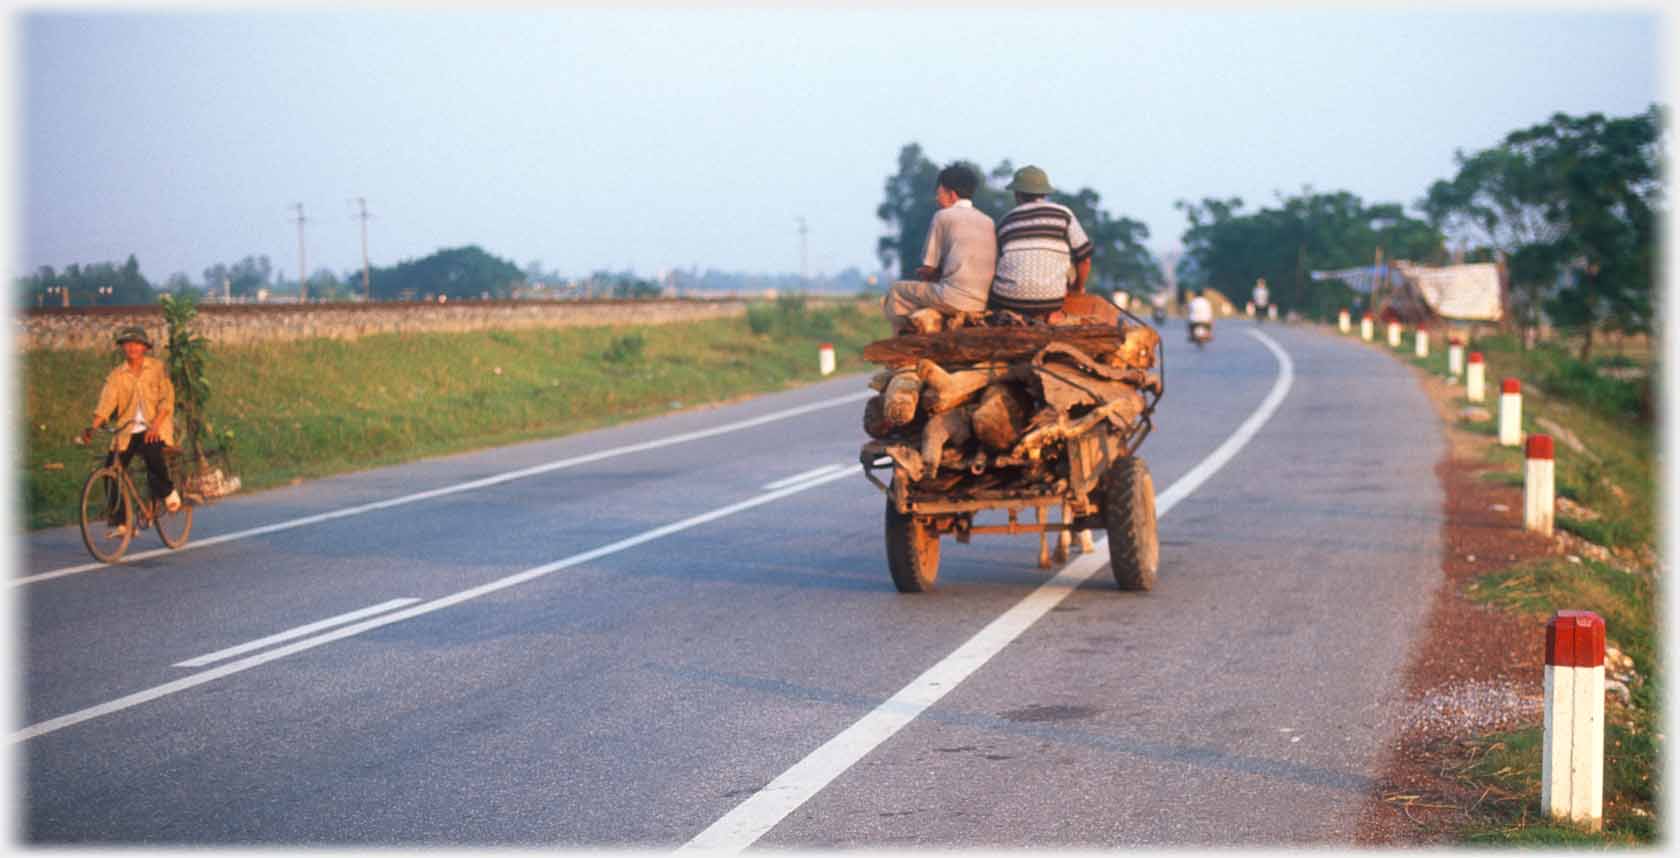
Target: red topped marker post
x=1455, y=357
x=1366, y=328
x=1475, y=378
x=1539, y=488
x=1510, y=413
x=1344, y=323
x=1394, y=335
x=825, y=358
x=1572, y=759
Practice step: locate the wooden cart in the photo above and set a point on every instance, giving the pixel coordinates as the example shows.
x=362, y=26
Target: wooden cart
x=1083, y=462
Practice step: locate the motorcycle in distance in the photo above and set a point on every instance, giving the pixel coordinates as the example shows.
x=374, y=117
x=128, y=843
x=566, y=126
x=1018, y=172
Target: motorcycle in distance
x=1159, y=314
x=1201, y=333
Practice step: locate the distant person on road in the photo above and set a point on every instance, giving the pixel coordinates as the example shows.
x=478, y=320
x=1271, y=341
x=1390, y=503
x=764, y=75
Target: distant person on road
x=1262, y=296
x=1043, y=252
x=141, y=396
x=958, y=260
x=1200, y=311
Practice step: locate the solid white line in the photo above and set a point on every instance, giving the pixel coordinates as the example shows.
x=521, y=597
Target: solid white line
x=300, y=631
x=801, y=476
x=762, y=811
x=215, y=673
x=462, y=487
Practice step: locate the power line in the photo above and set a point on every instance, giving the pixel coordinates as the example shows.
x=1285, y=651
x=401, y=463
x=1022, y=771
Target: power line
x=303, y=266
x=803, y=275
x=367, y=289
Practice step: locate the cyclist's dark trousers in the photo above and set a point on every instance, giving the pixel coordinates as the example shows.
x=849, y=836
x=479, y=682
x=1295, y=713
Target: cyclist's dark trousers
x=157, y=473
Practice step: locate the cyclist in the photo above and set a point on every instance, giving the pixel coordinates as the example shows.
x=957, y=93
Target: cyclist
x=140, y=395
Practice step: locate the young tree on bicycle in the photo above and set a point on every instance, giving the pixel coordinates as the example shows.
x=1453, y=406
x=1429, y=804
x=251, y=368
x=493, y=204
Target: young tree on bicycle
x=140, y=395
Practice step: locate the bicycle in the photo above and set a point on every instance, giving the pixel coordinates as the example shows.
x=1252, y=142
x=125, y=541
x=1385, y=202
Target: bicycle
x=110, y=497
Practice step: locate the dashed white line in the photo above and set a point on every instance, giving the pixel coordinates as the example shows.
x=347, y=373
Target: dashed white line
x=215, y=673
x=300, y=631
x=462, y=487
x=802, y=476
x=754, y=817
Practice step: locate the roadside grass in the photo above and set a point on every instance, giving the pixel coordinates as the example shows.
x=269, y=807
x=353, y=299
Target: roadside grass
x=1510, y=763
x=1617, y=479
x=311, y=408
x=1610, y=415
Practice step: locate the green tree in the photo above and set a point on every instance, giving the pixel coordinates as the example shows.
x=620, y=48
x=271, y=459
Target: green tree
x=462, y=272
x=1228, y=249
x=1574, y=202
x=96, y=284
x=907, y=210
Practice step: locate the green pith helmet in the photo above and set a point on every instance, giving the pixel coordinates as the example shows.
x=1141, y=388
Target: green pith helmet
x=134, y=334
x=1031, y=180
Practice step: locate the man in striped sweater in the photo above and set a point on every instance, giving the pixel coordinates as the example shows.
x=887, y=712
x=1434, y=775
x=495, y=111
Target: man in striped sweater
x=1042, y=249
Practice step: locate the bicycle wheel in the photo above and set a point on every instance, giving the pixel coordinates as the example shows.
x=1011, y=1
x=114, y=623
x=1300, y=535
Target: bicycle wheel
x=100, y=517
x=172, y=527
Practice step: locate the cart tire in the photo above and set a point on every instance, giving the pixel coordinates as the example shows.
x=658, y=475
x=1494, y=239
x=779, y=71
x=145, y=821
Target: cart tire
x=1129, y=516
x=912, y=551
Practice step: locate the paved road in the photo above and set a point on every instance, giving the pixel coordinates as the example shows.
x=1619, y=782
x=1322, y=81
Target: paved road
x=633, y=644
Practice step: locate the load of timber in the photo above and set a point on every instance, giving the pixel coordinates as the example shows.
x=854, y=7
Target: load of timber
x=991, y=406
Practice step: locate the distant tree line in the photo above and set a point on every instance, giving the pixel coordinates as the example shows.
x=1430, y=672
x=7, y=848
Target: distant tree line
x=1227, y=248
x=102, y=283
x=1571, y=205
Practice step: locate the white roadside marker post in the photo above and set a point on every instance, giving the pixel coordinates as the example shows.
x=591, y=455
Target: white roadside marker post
x=1475, y=378
x=1343, y=322
x=1572, y=760
x=1422, y=343
x=1271, y=312
x=1365, y=327
x=1510, y=413
x=1394, y=335
x=1248, y=309
x=1455, y=357
x=1539, y=488
x=825, y=358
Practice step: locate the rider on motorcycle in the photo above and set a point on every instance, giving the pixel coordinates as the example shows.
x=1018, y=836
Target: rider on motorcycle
x=1200, y=313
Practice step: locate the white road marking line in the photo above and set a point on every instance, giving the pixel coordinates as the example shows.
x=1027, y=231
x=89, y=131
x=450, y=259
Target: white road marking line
x=215, y=673
x=801, y=476
x=754, y=817
x=300, y=631
x=462, y=487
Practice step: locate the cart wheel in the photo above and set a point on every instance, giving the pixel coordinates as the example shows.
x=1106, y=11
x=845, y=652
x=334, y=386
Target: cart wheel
x=1129, y=517
x=912, y=551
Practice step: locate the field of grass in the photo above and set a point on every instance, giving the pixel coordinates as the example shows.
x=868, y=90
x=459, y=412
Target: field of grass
x=1612, y=417
x=316, y=407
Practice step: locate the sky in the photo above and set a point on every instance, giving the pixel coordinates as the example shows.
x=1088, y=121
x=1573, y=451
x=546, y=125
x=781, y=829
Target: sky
x=651, y=139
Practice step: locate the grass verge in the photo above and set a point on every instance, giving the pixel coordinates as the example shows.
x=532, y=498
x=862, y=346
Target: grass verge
x=1606, y=465
x=1508, y=765
x=312, y=408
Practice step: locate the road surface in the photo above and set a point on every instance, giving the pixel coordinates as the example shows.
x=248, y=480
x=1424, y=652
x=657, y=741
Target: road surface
x=682, y=632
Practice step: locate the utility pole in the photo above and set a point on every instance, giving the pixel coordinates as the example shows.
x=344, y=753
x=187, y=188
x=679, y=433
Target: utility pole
x=367, y=290
x=303, y=267
x=803, y=275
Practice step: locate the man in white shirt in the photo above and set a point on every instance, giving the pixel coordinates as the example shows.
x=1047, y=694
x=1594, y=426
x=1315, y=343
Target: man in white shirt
x=1262, y=297
x=1201, y=310
x=959, y=259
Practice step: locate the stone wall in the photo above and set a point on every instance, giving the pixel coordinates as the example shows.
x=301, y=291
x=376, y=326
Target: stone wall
x=236, y=324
